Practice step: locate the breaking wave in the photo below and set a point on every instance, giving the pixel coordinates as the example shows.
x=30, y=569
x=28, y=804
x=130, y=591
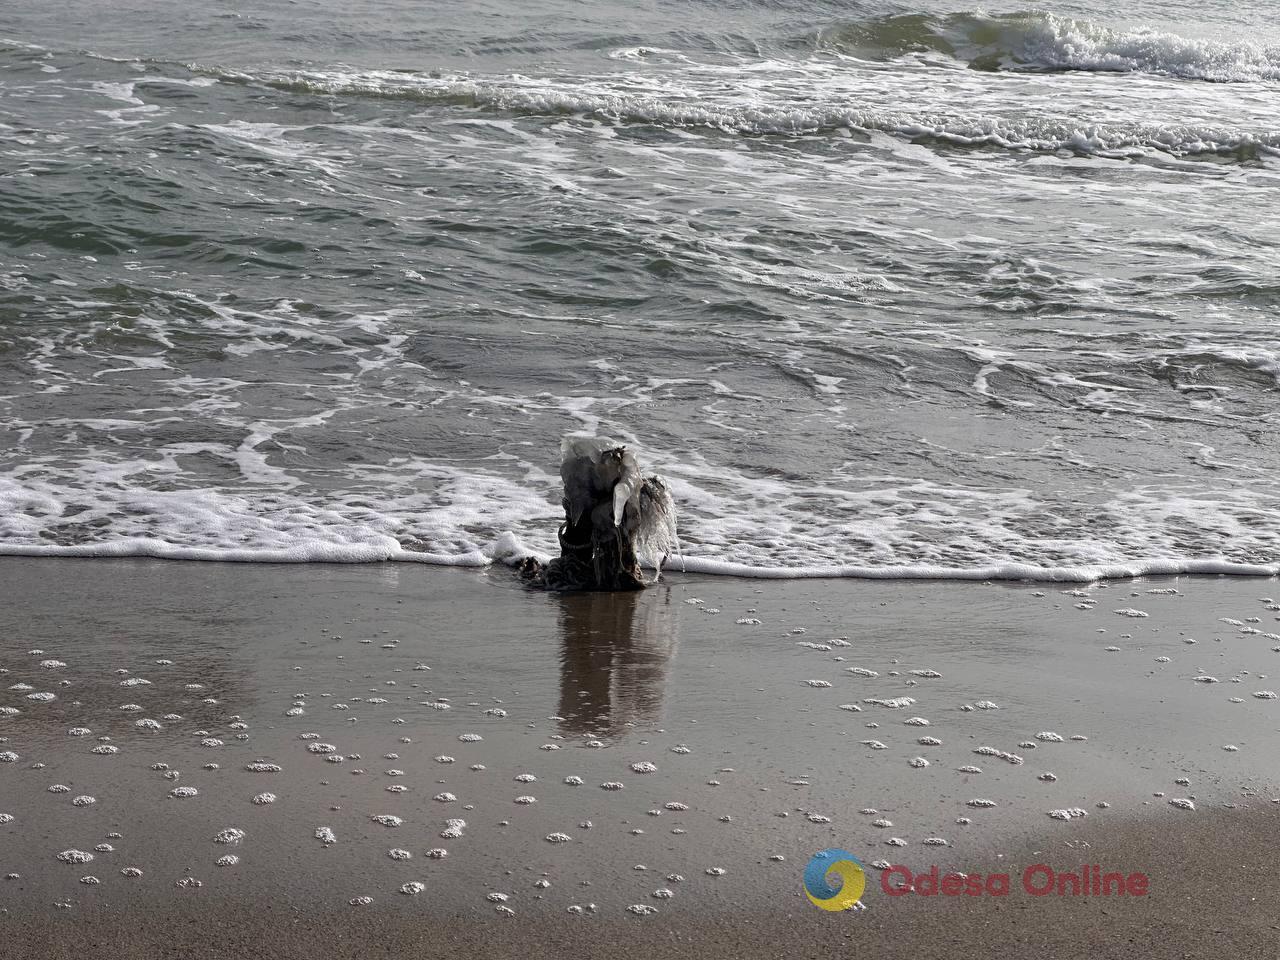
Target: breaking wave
x=604, y=100
x=1043, y=41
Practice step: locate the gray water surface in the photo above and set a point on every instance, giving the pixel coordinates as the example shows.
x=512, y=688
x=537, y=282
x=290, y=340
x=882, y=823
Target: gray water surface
x=879, y=288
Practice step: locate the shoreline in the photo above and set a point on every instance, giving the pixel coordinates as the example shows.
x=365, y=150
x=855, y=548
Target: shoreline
x=506, y=551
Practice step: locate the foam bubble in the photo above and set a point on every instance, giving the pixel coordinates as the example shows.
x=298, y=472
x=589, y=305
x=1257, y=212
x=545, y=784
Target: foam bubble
x=1070, y=813
x=893, y=703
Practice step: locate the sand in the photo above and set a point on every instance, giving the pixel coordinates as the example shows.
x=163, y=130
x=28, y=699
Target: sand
x=716, y=755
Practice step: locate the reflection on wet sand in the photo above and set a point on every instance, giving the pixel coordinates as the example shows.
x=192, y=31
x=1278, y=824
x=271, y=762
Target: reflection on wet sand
x=614, y=653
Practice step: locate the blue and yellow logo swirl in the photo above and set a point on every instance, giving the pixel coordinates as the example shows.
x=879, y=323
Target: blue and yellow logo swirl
x=841, y=867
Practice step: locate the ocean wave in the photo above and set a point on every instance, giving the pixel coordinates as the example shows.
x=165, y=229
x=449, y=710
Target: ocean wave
x=763, y=530
x=604, y=99
x=1034, y=40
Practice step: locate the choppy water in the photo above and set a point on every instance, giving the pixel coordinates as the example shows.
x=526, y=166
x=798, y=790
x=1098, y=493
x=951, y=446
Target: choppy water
x=881, y=289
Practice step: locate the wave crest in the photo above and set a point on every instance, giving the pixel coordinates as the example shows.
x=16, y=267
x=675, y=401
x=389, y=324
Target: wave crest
x=594, y=98
x=1045, y=42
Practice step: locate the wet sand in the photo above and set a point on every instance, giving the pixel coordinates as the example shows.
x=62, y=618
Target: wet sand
x=310, y=683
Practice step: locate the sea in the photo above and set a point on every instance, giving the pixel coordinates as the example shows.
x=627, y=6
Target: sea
x=881, y=289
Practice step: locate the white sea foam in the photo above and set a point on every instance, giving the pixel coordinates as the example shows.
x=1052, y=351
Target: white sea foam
x=1059, y=43
x=207, y=525
x=642, y=100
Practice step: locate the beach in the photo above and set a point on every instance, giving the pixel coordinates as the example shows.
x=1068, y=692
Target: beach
x=636, y=774
x=930, y=350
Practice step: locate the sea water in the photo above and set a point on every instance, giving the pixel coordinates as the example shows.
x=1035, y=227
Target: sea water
x=881, y=289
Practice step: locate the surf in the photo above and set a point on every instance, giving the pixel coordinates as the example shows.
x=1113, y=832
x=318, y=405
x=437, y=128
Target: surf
x=1037, y=41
